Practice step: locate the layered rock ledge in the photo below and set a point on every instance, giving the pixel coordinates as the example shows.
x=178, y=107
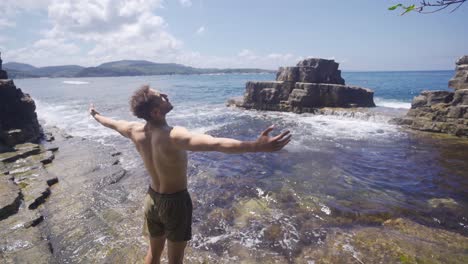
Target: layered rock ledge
x=58, y=197
x=25, y=185
x=442, y=111
x=312, y=84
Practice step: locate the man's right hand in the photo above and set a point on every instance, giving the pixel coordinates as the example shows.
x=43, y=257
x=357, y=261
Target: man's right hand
x=265, y=143
x=92, y=110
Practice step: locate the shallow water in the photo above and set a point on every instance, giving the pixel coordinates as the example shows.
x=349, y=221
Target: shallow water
x=342, y=169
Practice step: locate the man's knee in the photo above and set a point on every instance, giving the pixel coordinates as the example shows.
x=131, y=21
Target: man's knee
x=175, y=251
x=156, y=246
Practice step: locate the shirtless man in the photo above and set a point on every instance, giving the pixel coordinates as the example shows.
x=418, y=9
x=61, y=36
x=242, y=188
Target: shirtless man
x=168, y=207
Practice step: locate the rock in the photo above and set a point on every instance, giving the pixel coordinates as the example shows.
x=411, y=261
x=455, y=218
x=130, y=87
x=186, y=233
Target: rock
x=312, y=84
x=18, y=119
x=396, y=241
x=443, y=202
x=116, y=153
x=462, y=60
x=312, y=71
x=442, y=111
x=316, y=95
x=460, y=98
x=52, y=181
x=53, y=149
x=3, y=74
x=44, y=157
x=22, y=151
x=49, y=137
x=10, y=198
x=460, y=80
x=23, y=243
x=434, y=97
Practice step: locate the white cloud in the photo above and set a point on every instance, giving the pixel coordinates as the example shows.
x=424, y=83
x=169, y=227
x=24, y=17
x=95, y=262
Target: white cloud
x=246, y=58
x=91, y=32
x=200, y=30
x=186, y=3
x=118, y=29
x=4, y=23
x=9, y=9
x=47, y=51
x=279, y=56
x=247, y=54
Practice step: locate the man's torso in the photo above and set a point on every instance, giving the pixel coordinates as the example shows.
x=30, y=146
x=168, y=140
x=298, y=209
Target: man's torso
x=166, y=164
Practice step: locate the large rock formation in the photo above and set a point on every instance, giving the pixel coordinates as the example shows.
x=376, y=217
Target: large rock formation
x=312, y=84
x=442, y=111
x=18, y=119
x=3, y=74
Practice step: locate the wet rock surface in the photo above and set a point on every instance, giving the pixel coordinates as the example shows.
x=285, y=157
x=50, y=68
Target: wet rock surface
x=76, y=205
x=442, y=111
x=24, y=187
x=10, y=197
x=312, y=84
x=393, y=242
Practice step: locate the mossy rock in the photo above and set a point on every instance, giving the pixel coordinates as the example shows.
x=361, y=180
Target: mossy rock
x=249, y=210
x=443, y=202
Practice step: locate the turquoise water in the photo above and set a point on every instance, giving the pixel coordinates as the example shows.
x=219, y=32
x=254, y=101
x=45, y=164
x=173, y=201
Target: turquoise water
x=340, y=169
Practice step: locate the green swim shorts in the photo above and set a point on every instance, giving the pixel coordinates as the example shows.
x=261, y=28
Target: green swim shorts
x=169, y=214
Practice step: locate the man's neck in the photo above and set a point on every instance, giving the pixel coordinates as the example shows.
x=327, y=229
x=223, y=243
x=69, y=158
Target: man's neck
x=157, y=123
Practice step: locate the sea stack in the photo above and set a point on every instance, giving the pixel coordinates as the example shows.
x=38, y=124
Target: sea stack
x=442, y=111
x=18, y=119
x=311, y=84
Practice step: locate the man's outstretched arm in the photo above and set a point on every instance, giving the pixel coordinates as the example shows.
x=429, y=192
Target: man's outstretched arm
x=121, y=126
x=183, y=139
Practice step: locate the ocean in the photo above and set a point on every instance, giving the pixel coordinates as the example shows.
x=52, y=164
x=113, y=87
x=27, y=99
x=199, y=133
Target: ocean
x=341, y=170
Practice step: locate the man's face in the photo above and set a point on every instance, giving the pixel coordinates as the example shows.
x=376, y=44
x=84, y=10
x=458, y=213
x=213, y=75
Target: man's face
x=164, y=105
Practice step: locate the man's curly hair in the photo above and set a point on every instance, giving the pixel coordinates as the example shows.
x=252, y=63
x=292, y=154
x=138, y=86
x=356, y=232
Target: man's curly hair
x=143, y=101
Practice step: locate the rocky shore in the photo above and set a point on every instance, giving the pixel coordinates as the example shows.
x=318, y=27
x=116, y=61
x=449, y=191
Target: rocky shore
x=442, y=111
x=48, y=209
x=69, y=202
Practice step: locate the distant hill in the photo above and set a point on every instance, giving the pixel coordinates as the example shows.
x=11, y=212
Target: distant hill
x=115, y=68
x=18, y=66
x=22, y=70
x=59, y=71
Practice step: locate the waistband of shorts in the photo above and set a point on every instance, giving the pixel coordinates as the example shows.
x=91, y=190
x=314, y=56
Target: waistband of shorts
x=175, y=195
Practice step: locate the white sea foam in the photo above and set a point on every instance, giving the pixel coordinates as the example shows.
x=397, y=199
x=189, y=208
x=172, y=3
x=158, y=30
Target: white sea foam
x=75, y=82
x=73, y=118
x=334, y=128
x=306, y=128
x=392, y=103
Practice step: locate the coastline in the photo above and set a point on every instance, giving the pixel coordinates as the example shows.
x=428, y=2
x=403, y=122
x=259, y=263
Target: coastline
x=90, y=216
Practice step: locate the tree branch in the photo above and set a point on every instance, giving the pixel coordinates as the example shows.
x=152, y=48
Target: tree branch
x=436, y=6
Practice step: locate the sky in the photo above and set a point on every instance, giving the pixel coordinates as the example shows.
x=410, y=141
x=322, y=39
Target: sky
x=362, y=35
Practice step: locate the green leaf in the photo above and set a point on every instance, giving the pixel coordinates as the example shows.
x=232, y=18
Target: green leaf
x=394, y=7
x=409, y=9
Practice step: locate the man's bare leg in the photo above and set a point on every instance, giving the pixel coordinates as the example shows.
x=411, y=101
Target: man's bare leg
x=175, y=251
x=155, y=250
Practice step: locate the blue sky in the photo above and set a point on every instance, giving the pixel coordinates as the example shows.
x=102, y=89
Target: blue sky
x=360, y=34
